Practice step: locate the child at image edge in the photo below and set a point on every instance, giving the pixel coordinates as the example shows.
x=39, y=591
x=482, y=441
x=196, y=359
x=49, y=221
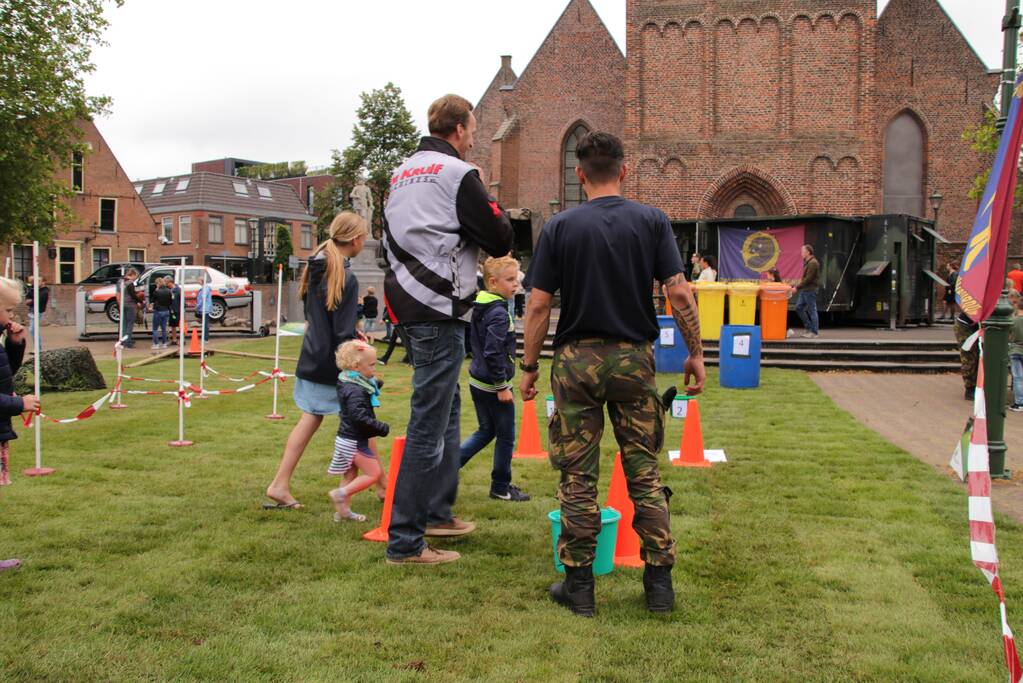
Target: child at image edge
x=357, y=393
x=10, y=360
x=492, y=336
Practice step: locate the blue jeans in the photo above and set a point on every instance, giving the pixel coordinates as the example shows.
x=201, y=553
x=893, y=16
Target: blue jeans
x=160, y=320
x=33, y=327
x=428, y=479
x=496, y=419
x=1016, y=363
x=806, y=309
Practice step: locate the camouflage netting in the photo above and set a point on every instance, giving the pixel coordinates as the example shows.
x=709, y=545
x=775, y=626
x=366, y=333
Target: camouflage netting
x=71, y=369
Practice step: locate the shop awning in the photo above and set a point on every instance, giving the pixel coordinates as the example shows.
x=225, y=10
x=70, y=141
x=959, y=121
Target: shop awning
x=872, y=268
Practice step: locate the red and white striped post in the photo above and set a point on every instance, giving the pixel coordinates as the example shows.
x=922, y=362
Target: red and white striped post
x=38, y=470
x=117, y=400
x=182, y=397
x=277, y=343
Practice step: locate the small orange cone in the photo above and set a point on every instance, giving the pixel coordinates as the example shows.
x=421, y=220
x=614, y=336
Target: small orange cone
x=667, y=306
x=627, y=542
x=380, y=533
x=193, y=347
x=529, y=436
x=691, y=454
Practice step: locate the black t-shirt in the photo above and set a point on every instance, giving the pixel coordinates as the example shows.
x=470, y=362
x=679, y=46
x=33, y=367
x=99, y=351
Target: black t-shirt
x=604, y=256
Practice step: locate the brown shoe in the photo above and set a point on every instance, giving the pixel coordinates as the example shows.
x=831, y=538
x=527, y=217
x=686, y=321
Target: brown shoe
x=455, y=527
x=428, y=556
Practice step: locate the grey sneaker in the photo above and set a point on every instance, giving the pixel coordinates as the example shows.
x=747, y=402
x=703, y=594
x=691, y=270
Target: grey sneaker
x=455, y=527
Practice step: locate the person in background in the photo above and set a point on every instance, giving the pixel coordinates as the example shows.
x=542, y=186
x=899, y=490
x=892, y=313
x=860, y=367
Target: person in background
x=694, y=266
x=1016, y=356
x=394, y=337
x=132, y=302
x=370, y=309
x=773, y=275
x=163, y=299
x=44, y=299
x=175, y=309
x=969, y=359
x=204, y=307
x=11, y=355
x=1016, y=276
x=708, y=269
x=806, y=303
x=949, y=298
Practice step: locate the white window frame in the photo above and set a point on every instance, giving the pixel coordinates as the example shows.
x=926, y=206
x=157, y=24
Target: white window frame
x=241, y=189
x=99, y=222
x=182, y=185
x=14, y=262
x=167, y=228
x=245, y=226
x=92, y=256
x=305, y=230
x=184, y=221
x=158, y=188
x=144, y=258
x=209, y=230
x=264, y=192
x=56, y=262
x=310, y=196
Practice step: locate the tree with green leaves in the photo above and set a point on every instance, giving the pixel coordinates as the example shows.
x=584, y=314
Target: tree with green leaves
x=383, y=136
x=45, y=52
x=283, y=249
x=984, y=138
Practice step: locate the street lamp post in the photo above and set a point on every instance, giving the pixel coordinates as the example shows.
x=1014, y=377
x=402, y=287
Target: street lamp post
x=935, y=199
x=998, y=325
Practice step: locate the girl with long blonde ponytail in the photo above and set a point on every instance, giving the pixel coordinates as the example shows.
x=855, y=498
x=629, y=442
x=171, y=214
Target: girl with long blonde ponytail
x=330, y=292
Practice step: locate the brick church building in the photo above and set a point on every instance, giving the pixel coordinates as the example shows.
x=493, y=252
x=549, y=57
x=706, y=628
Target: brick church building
x=765, y=108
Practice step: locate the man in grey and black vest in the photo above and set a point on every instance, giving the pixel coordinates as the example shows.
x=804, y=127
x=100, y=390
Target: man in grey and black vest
x=439, y=216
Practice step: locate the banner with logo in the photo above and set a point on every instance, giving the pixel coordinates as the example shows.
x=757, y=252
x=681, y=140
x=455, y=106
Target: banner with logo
x=750, y=254
x=982, y=274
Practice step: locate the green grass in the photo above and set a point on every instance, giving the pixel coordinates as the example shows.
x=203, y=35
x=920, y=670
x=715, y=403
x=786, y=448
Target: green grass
x=819, y=553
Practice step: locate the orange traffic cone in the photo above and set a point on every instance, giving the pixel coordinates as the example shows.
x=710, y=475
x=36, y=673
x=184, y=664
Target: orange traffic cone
x=691, y=454
x=193, y=347
x=380, y=533
x=529, y=436
x=627, y=542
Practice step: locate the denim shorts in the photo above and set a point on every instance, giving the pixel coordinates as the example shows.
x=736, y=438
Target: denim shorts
x=316, y=399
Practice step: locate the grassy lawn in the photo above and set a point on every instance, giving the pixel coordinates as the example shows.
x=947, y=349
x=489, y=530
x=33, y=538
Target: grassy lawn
x=819, y=553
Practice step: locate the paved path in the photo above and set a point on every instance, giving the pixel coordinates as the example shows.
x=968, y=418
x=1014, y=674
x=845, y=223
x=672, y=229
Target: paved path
x=924, y=414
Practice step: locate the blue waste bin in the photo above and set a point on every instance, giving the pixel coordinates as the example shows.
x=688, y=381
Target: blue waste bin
x=670, y=352
x=740, y=357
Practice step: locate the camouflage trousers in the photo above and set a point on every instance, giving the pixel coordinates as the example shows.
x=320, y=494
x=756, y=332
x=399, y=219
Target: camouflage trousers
x=586, y=376
x=968, y=360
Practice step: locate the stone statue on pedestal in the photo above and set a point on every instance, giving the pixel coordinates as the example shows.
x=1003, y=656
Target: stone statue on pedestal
x=362, y=201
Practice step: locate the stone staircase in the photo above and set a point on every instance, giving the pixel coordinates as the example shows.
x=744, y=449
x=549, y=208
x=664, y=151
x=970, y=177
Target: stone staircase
x=838, y=355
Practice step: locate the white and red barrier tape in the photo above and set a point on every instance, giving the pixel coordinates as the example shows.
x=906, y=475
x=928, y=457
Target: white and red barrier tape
x=982, y=521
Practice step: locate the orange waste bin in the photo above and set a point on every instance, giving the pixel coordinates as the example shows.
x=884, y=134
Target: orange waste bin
x=774, y=310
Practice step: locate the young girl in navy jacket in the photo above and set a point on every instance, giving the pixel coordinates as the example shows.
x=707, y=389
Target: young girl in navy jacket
x=357, y=393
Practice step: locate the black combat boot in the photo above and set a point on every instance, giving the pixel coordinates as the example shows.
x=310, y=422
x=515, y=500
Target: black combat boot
x=576, y=591
x=660, y=596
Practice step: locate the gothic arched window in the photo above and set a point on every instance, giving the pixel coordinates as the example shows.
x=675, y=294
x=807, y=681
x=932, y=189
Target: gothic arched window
x=572, y=189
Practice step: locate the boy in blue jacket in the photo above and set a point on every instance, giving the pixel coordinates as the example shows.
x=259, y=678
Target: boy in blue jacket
x=492, y=336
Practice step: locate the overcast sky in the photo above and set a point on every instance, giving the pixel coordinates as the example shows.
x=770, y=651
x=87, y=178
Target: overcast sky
x=279, y=81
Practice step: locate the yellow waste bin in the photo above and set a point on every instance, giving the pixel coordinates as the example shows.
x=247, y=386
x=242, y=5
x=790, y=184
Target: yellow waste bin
x=742, y=303
x=710, y=300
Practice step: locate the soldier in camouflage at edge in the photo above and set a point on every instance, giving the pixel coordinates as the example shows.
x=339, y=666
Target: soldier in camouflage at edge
x=603, y=256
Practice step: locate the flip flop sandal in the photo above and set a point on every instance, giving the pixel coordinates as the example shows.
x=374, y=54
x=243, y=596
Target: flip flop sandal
x=350, y=517
x=283, y=506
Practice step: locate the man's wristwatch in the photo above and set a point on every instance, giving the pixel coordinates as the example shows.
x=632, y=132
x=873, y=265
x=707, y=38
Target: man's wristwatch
x=533, y=367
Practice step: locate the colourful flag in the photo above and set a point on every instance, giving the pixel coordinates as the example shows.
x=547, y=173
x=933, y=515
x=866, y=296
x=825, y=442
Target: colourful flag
x=749, y=255
x=982, y=274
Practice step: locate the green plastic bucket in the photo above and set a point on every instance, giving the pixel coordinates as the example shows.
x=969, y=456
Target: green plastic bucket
x=604, y=562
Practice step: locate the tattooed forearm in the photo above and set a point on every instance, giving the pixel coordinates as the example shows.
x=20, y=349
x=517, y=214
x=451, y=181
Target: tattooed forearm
x=684, y=310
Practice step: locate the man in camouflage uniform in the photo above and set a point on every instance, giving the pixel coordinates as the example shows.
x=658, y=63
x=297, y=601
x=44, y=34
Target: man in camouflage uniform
x=969, y=361
x=602, y=256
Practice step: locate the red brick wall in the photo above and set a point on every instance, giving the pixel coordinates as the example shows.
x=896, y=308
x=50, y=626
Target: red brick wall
x=301, y=185
x=103, y=178
x=578, y=74
x=775, y=109
x=926, y=66
x=199, y=247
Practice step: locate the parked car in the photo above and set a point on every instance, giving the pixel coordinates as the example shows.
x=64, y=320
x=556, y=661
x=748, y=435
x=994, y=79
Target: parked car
x=228, y=292
x=112, y=272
